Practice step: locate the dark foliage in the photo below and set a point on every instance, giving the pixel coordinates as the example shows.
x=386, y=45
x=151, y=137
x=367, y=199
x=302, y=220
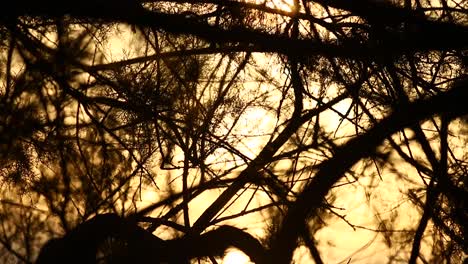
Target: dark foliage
x=291, y=112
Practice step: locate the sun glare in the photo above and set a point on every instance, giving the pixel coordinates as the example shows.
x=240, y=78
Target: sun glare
x=236, y=257
x=285, y=5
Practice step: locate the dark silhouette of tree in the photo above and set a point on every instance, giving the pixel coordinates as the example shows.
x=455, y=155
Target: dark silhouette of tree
x=289, y=110
x=140, y=246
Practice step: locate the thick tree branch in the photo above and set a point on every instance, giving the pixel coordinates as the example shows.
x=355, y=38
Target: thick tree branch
x=429, y=35
x=451, y=103
x=81, y=245
x=215, y=242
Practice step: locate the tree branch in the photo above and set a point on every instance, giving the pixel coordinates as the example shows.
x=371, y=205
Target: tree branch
x=451, y=103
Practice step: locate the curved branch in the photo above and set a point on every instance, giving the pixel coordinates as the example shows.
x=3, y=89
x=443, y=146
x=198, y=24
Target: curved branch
x=82, y=243
x=451, y=103
x=216, y=242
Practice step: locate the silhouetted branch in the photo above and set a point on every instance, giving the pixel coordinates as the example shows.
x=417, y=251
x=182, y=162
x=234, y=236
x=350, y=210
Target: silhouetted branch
x=396, y=43
x=215, y=242
x=451, y=103
x=82, y=243
x=250, y=173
